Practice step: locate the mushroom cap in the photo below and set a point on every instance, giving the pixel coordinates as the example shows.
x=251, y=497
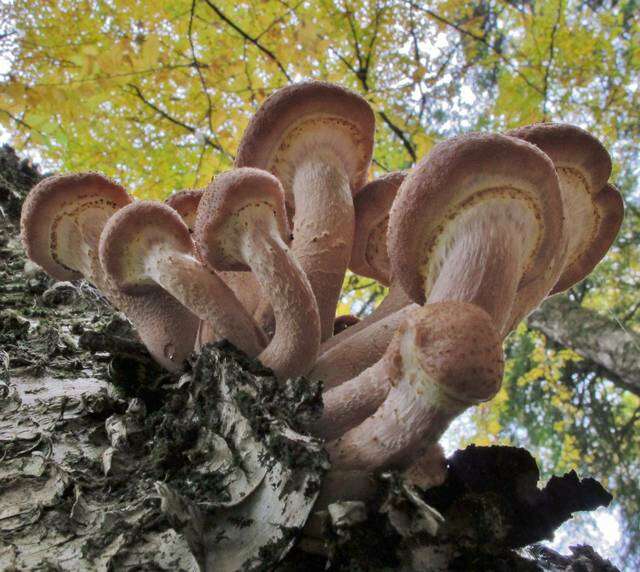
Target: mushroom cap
x=570, y=146
x=489, y=171
x=609, y=208
x=186, y=204
x=297, y=121
x=57, y=209
x=233, y=203
x=372, y=203
x=131, y=234
x=593, y=214
x=457, y=346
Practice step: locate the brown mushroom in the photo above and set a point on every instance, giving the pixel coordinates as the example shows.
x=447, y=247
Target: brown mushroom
x=341, y=323
x=62, y=220
x=146, y=249
x=242, y=284
x=317, y=138
x=479, y=220
x=185, y=203
x=369, y=253
x=444, y=359
x=242, y=224
x=593, y=209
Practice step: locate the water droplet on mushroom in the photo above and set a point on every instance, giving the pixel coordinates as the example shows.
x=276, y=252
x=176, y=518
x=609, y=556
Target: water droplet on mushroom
x=170, y=351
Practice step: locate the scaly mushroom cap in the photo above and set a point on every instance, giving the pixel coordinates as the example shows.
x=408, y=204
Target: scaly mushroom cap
x=299, y=120
x=186, y=204
x=457, y=347
x=593, y=214
x=235, y=201
x=132, y=233
x=372, y=203
x=343, y=322
x=60, y=207
x=466, y=177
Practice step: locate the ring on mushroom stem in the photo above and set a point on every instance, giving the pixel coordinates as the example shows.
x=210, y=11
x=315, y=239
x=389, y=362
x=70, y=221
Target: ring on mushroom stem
x=243, y=284
x=593, y=209
x=479, y=220
x=242, y=223
x=444, y=359
x=317, y=138
x=62, y=220
x=146, y=249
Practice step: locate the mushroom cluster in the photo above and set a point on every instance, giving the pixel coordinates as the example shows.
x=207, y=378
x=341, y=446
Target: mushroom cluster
x=469, y=241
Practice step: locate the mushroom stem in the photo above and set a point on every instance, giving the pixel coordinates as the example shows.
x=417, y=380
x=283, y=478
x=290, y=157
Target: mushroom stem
x=395, y=300
x=360, y=351
x=206, y=295
x=351, y=402
x=323, y=229
x=484, y=264
x=294, y=345
x=443, y=360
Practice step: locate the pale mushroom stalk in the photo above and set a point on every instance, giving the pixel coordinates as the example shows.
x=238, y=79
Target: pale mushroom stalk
x=360, y=351
x=395, y=300
x=484, y=265
x=288, y=290
x=242, y=284
x=442, y=361
x=317, y=139
x=146, y=248
x=323, y=230
x=369, y=256
x=242, y=224
x=206, y=295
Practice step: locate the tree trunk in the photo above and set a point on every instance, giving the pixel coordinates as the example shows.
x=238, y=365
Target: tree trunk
x=599, y=339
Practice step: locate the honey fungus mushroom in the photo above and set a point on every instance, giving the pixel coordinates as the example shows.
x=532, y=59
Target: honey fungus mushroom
x=62, y=220
x=242, y=284
x=146, y=250
x=317, y=139
x=593, y=208
x=444, y=359
x=480, y=220
x=242, y=224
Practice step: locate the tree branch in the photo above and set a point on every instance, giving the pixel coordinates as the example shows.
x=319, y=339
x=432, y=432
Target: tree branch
x=477, y=38
x=597, y=338
x=206, y=139
x=266, y=51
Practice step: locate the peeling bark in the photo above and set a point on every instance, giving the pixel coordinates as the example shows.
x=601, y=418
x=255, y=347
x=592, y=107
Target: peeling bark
x=594, y=337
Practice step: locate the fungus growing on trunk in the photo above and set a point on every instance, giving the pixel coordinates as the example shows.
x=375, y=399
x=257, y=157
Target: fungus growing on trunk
x=242, y=224
x=317, y=138
x=479, y=220
x=62, y=220
x=444, y=359
x=243, y=284
x=593, y=208
x=369, y=255
x=146, y=249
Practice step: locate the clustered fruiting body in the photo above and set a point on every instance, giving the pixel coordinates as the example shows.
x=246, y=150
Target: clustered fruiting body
x=470, y=240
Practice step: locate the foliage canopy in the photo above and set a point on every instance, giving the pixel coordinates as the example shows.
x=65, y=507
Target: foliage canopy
x=157, y=94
